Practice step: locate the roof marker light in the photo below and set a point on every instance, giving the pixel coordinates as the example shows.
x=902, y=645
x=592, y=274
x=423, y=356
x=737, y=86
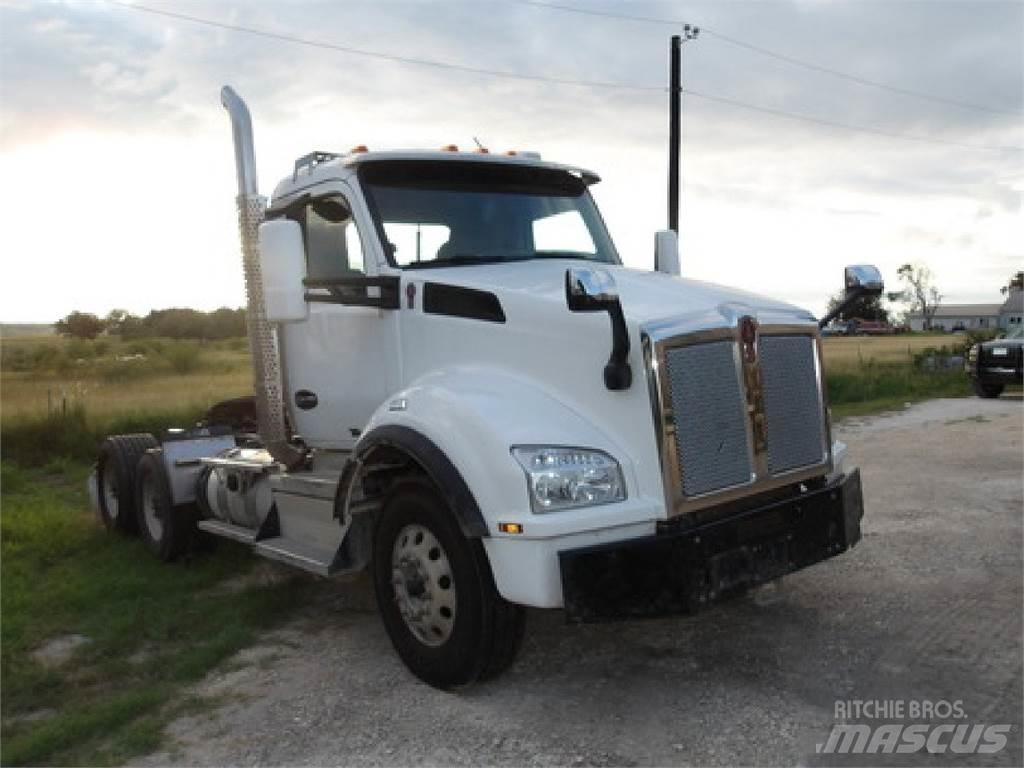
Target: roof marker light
x=449, y=148
x=358, y=148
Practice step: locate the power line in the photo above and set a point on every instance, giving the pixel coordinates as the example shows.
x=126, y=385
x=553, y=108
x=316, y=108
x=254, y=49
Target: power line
x=282, y=37
x=379, y=55
x=846, y=126
x=775, y=55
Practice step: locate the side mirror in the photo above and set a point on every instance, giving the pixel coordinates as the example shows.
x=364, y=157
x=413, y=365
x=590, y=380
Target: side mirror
x=861, y=280
x=283, y=268
x=865, y=279
x=588, y=289
x=666, y=252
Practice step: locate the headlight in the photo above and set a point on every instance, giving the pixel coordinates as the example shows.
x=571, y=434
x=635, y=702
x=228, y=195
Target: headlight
x=563, y=478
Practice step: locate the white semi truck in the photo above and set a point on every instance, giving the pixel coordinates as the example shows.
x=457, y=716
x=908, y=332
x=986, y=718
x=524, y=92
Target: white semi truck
x=459, y=387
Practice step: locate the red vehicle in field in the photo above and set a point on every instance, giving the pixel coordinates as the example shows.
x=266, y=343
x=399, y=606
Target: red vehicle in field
x=860, y=327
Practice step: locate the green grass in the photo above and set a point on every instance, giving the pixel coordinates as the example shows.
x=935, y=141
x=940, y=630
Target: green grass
x=63, y=574
x=870, y=387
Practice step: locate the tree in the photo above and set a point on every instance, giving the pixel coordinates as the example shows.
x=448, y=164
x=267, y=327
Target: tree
x=80, y=325
x=918, y=291
x=865, y=307
x=1016, y=283
x=116, y=320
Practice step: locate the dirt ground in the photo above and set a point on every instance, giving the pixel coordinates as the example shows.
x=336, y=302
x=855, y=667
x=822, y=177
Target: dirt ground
x=927, y=607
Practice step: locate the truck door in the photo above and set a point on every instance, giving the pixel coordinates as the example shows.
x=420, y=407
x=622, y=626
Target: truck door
x=342, y=361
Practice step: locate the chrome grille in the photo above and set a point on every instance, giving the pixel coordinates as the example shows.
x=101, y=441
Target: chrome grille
x=733, y=421
x=793, y=413
x=712, y=446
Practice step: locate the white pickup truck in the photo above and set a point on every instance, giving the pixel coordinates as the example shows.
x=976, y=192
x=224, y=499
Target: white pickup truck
x=460, y=387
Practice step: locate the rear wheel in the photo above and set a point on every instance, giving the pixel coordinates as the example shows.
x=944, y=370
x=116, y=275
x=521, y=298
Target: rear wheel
x=166, y=529
x=981, y=389
x=115, y=476
x=436, y=593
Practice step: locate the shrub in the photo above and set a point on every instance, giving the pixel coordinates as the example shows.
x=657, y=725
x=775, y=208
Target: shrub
x=39, y=439
x=183, y=357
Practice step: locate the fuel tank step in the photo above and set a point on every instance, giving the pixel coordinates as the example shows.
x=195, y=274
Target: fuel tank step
x=228, y=530
x=298, y=554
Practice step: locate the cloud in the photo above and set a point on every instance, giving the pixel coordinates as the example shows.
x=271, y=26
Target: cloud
x=753, y=183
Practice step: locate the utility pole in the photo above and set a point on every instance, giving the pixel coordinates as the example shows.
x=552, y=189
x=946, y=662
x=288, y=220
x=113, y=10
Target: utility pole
x=675, y=92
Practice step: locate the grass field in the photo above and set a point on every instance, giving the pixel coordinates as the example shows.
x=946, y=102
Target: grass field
x=109, y=378
x=153, y=628
x=844, y=352
x=868, y=374
x=150, y=628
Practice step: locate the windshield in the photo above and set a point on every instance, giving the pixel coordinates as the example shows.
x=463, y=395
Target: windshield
x=445, y=213
x=1014, y=333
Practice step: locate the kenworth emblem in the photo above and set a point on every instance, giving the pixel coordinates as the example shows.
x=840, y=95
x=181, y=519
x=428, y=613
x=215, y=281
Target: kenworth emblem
x=752, y=380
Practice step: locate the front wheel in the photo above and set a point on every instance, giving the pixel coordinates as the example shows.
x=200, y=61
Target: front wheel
x=436, y=593
x=981, y=389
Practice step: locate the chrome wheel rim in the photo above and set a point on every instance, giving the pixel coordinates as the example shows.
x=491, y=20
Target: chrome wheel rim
x=110, y=493
x=421, y=577
x=151, y=511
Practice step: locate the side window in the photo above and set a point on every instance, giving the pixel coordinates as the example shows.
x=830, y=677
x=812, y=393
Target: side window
x=333, y=246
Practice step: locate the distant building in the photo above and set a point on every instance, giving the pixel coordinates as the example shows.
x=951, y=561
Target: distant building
x=1011, y=314
x=973, y=317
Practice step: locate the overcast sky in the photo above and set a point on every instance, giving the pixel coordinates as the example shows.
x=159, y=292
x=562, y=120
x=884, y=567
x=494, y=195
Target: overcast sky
x=118, y=177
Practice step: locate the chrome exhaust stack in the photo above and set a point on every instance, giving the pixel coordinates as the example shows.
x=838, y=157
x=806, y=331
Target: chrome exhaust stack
x=266, y=358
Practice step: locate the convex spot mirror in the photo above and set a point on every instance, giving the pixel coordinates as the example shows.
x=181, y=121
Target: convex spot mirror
x=331, y=210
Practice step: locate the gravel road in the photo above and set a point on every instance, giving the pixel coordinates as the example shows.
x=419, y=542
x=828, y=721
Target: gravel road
x=927, y=607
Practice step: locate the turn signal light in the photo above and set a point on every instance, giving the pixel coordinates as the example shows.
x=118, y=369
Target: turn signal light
x=510, y=527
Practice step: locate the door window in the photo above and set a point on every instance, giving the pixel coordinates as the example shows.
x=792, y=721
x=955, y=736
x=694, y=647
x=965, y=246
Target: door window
x=333, y=245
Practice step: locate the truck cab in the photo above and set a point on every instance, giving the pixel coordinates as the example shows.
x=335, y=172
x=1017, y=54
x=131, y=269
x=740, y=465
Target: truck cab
x=461, y=388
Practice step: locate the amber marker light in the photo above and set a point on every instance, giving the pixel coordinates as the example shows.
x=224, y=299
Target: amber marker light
x=510, y=527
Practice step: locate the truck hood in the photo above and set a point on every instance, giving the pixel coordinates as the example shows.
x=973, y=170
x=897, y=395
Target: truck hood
x=647, y=297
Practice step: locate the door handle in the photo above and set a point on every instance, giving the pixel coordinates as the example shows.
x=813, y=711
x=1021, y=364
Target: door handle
x=305, y=399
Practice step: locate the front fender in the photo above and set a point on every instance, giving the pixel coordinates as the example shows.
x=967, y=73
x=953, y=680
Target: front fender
x=474, y=415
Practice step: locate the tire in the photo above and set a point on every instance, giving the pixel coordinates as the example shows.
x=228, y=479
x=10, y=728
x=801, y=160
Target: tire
x=115, y=479
x=981, y=389
x=166, y=529
x=424, y=566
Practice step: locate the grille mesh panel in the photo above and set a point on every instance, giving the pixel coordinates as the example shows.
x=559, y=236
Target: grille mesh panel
x=710, y=419
x=795, y=428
